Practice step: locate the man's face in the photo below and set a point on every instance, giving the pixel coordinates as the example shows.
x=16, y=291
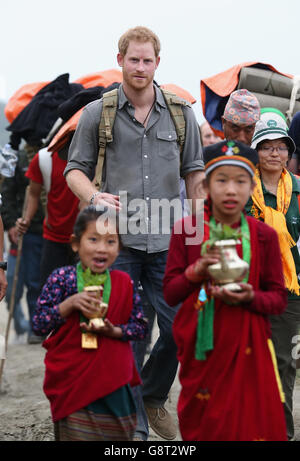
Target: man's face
x=208, y=137
x=242, y=133
x=138, y=65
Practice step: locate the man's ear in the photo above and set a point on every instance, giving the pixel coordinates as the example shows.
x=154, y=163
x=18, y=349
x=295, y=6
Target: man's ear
x=223, y=122
x=157, y=61
x=120, y=59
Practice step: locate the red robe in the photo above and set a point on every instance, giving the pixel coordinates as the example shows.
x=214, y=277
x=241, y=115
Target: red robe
x=76, y=377
x=233, y=394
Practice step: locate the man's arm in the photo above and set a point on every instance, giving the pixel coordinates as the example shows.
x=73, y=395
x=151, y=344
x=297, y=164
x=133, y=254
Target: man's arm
x=32, y=205
x=84, y=189
x=194, y=188
x=83, y=157
x=192, y=165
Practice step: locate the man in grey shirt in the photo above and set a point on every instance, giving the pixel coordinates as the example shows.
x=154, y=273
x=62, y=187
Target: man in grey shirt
x=143, y=166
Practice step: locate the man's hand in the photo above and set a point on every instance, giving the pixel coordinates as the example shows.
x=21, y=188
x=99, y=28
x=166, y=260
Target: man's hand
x=110, y=200
x=22, y=226
x=85, y=189
x=13, y=235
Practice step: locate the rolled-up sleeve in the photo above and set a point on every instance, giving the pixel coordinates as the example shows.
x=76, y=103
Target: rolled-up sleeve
x=192, y=156
x=83, y=151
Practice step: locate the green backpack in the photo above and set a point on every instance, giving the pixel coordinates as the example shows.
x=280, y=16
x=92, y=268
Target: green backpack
x=109, y=110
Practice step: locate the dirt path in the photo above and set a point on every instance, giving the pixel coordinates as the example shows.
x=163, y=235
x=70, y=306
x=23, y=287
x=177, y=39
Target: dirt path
x=24, y=410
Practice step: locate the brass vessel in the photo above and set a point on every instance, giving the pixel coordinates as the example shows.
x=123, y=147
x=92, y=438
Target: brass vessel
x=231, y=268
x=97, y=318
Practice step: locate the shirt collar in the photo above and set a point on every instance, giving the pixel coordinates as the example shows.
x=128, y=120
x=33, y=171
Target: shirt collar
x=295, y=186
x=122, y=99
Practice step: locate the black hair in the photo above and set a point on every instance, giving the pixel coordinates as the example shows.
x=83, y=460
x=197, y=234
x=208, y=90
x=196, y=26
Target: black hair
x=89, y=214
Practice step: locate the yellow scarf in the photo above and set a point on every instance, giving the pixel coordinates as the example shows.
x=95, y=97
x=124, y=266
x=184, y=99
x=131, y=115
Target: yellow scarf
x=276, y=219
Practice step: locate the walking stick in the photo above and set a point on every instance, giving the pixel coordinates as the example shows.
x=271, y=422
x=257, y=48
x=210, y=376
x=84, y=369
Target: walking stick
x=14, y=287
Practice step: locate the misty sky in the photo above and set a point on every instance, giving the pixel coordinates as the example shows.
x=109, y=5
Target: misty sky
x=43, y=39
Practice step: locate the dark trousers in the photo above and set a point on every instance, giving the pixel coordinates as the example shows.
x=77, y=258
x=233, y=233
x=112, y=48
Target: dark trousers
x=28, y=276
x=159, y=371
x=285, y=328
x=54, y=255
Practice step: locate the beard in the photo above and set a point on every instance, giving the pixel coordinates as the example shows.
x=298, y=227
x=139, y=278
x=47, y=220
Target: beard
x=138, y=85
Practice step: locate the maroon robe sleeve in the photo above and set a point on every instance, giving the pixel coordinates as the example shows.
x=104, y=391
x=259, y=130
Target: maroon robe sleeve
x=176, y=286
x=270, y=298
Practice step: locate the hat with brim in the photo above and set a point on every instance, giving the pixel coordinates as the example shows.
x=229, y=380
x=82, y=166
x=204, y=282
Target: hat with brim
x=231, y=153
x=272, y=125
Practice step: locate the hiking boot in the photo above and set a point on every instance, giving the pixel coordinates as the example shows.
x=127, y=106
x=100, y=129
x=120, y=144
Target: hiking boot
x=161, y=422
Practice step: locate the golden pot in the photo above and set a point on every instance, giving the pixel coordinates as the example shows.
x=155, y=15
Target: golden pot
x=97, y=318
x=231, y=268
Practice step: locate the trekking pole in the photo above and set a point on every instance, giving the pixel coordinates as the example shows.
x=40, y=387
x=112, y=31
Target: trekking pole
x=14, y=287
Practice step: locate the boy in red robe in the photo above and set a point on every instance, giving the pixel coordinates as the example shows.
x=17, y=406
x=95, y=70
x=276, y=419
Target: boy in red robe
x=230, y=384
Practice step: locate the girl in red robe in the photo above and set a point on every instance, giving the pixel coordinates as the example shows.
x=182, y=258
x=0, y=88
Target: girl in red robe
x=90, y=369
x=231, y=389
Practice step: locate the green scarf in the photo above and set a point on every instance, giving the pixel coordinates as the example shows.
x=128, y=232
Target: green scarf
x=88, y=279
x=205, y=327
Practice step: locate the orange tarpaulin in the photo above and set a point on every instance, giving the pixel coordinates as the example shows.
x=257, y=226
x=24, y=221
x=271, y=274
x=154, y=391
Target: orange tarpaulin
x=215, y=89
x=225, y=82
x=179, y=92
x=63, y=135
x=104, y=78
x=24, y=95
x=21, y=98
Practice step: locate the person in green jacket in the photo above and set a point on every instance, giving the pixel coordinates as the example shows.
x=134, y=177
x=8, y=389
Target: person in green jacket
x=275, y=201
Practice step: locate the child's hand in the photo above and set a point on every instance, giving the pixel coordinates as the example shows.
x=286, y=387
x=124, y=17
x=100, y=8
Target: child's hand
x=107, y=330
x=86, y=303
x=212, y=256
x=233, y=297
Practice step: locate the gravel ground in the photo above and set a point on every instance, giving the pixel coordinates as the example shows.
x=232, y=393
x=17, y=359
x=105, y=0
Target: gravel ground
x=24, y=410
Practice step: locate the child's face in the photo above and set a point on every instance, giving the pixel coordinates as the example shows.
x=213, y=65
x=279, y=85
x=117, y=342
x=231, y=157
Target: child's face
x=230, y=188
x=98, y=247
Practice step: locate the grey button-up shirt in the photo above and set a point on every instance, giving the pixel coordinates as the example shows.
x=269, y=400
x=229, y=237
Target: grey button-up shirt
x=142, y=165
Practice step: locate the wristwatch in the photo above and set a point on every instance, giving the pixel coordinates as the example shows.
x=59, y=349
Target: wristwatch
x=3, y=265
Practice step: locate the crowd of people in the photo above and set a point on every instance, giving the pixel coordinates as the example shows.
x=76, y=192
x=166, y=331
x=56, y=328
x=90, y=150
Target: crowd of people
x=233, y=345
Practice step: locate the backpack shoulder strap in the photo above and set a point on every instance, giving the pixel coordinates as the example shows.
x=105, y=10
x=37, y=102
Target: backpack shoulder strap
x=108, y=115
x=174, y=104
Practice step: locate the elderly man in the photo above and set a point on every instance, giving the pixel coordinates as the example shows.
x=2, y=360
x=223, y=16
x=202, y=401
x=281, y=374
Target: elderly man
x=241, y=113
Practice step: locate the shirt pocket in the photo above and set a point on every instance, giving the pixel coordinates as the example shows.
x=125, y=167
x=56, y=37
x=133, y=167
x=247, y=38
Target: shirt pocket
x=167, y=144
